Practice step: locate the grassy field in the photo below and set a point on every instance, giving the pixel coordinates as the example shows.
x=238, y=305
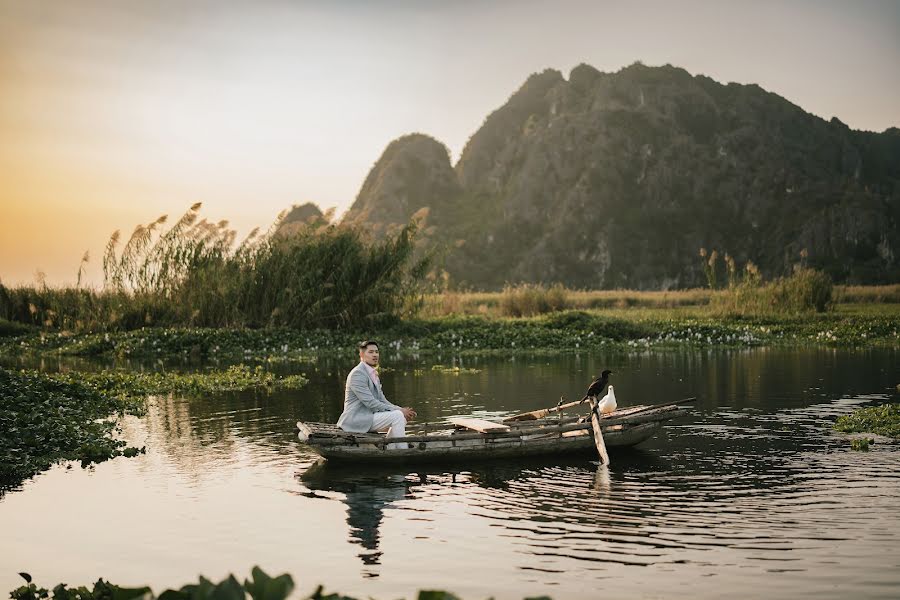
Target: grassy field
x=565, y=331
x=190, y=291
x=497, y=304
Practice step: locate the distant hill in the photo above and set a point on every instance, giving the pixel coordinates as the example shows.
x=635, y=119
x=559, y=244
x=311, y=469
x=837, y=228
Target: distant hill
x=302, y=213
x=607, y=180
x=299, y=217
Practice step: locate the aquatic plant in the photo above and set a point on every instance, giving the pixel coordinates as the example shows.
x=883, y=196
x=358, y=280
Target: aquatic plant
x=570, y=331
x=861, y=444
x=134, y=384
x=45, y=421
x=260, y=587
x=455, y=370
x=882, y=420
x=52, y=417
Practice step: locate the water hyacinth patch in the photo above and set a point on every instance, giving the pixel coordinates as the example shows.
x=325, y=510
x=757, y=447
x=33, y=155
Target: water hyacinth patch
x=882, y=420
x=48, y=418
x=45, y=421
x=570, y=331
x=861, y=444
x=455, y=370
x=130, y=384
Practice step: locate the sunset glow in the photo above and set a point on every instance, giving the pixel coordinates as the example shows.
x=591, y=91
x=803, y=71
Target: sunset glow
x=113, y=113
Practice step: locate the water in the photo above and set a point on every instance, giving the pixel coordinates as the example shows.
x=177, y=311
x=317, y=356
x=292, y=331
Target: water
x=750, y=495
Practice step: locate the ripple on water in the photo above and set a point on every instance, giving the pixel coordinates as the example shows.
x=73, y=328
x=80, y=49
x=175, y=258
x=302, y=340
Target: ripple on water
x=754, y=482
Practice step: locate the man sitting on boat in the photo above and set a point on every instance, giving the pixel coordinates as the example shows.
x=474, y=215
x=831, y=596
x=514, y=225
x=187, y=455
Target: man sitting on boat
x=365, y=406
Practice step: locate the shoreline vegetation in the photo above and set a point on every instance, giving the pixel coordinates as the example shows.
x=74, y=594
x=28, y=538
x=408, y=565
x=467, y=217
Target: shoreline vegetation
x=316, y=274
x=46, y=421
x=850, y=325
x=306, y=289
x=49, y=418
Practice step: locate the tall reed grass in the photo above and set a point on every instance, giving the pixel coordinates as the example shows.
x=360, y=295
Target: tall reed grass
x=867, y=294
x=528, y=300
x=507, y=302
x=805, y=290
x=309, y=275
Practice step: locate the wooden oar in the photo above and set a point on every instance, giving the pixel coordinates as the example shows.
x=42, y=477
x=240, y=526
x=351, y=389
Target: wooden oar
x=543, y=412
x=598, y=434
x=654, y=406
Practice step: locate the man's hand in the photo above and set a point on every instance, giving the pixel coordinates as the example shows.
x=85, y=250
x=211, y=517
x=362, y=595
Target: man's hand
x=408, y=413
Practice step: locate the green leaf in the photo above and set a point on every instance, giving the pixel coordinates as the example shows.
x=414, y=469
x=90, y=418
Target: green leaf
x=264, y=587
x=119, y=593
x=199, y=591
x=436, y=595
x=174, y=595
x=228, y=589
x=61, y=593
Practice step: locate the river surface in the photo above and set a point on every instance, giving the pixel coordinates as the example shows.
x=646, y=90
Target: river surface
x=751, y=495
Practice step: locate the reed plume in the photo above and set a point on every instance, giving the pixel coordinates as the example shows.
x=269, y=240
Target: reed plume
x=192, y=274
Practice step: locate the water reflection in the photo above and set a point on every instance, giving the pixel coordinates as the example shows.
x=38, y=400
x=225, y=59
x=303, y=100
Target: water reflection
x=752, y=489
x=367, y=493
x=747, y=484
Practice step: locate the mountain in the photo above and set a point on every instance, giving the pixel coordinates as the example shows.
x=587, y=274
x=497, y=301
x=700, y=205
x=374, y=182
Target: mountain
x=302, y=213
x=607, y=180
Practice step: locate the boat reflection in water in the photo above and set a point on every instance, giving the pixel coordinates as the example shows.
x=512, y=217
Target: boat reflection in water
x=523, y=491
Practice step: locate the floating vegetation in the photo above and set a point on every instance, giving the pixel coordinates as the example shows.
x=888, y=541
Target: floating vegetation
x=45, y=421
x=49, y=418
x=130, y=384
x=882, y=420
x=454, y=370
x=861, y=444
x=260, y=587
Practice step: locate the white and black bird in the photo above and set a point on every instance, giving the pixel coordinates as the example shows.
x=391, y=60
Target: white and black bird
x=608, y=403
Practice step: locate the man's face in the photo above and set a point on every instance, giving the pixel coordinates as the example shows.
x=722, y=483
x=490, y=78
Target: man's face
x=369, y=355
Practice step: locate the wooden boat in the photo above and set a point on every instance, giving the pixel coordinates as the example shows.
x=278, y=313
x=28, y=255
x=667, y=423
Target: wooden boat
x=471, y=438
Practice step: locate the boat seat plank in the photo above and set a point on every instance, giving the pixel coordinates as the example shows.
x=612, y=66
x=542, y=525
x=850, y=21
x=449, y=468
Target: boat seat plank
x=480, y=425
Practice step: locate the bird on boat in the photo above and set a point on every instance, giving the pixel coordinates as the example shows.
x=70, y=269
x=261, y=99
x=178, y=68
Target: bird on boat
x=597, y=385
x=608, y=403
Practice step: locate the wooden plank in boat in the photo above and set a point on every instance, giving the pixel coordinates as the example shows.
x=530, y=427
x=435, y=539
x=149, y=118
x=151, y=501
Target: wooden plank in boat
x=478, y=424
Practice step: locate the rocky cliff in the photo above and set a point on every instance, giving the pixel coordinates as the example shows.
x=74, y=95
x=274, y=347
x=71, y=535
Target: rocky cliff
x=618, y=179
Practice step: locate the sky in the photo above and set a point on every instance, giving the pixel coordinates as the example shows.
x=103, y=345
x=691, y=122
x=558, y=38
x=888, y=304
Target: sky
x=113, y=113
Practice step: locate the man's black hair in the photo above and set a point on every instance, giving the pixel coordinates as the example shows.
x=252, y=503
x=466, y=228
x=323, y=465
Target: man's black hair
x=365, y=343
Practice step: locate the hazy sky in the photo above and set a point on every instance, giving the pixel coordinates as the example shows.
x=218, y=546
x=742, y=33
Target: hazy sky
x=112, y=113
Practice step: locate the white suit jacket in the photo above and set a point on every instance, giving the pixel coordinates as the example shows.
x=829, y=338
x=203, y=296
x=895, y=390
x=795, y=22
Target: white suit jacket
x=362, y=399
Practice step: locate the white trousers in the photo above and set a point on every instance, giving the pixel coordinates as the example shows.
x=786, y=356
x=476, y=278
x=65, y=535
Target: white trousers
x=394, y=422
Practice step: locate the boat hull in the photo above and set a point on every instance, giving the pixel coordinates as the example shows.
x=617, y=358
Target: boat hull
x=446, y=449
